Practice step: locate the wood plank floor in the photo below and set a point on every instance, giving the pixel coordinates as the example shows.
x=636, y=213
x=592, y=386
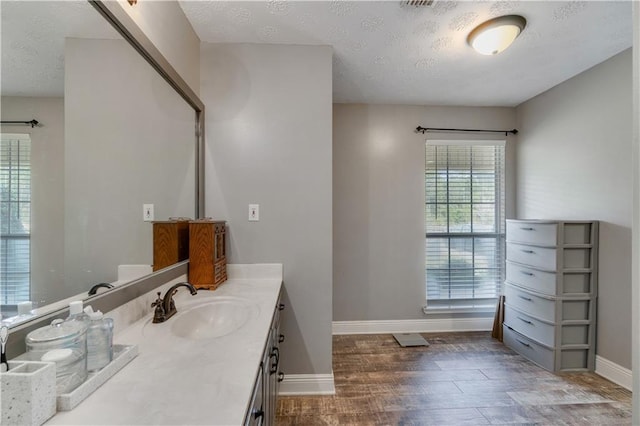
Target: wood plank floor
x=461, y=378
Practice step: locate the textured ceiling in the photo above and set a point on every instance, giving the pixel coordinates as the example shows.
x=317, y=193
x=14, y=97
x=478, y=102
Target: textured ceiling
x=385, y=52
x=33, y=35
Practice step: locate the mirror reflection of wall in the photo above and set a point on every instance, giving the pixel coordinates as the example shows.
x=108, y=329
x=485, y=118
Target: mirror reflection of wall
x=129, y=142
x=113, y=136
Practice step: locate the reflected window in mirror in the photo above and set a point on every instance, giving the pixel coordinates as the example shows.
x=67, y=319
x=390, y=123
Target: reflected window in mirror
x=15, y=220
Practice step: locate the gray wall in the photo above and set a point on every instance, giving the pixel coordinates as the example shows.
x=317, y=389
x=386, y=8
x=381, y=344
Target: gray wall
x=268, y=121
x=166, y=25
x=574, y=162
x=378, y=202
x=47, y=189
x=129, y=141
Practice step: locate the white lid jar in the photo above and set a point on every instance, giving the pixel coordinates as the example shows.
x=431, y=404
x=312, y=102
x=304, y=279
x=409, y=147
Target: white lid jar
x=65, y=343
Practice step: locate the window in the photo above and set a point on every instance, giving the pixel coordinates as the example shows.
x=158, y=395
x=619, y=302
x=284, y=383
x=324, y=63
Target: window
x=15, y=219
x=464, y=222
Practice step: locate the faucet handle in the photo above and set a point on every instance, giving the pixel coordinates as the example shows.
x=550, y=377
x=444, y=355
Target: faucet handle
x=158, y=314
x=158, y=302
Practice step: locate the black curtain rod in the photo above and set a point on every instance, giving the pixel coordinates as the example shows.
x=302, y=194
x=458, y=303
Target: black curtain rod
x=427, y=129
x=33, y=123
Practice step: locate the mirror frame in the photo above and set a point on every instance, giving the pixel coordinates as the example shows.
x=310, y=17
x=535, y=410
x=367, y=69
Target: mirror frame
x=120, y=20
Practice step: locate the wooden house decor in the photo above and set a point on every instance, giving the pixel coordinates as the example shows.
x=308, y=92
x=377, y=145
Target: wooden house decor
x=170, y=242
x=207, y=253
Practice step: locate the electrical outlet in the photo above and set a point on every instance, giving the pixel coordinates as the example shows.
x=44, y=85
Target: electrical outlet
x=254, y=212
x=147, y=212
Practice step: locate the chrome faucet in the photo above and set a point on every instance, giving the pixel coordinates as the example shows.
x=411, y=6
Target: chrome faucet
x=166, y=307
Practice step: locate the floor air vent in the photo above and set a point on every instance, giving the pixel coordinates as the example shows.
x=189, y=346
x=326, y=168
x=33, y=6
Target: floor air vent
x=418, y=3
x=410, y=339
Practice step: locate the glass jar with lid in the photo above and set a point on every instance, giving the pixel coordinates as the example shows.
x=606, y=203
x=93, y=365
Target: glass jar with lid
x=65, y=343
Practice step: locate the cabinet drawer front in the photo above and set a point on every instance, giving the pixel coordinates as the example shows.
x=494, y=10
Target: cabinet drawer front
x=531, y=304
x=529, y=326
x=542, y=282
x=539, y=257
x=532, y=233
x=542, y=356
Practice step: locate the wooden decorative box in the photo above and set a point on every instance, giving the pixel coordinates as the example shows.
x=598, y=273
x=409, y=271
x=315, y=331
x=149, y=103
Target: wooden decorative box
x=207, y=253
x=170, y=242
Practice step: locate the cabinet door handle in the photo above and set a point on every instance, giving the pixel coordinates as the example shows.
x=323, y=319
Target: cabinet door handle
x=526, y=228
x=281, y=307
x=524, y=320
x=529, y=274
x=280, y=377
x=528, y=251
x=275, y=353
x=523, y=343
x=528, y=299
x=281, y=338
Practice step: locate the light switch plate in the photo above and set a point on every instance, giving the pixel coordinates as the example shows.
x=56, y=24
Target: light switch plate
x=147, y=212
x=254, y=212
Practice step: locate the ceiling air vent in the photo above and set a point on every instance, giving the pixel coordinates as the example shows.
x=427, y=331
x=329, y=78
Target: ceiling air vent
x=418, y=3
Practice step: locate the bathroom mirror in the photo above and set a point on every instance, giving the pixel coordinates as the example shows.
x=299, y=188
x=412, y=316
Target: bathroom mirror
x=112, y=136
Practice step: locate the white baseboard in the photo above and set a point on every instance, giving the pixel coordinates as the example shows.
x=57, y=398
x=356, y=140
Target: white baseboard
x=412, y=326
x=614, y=372
x=307, y=384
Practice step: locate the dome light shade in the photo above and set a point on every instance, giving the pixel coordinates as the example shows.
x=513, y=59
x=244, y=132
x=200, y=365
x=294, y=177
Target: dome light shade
x=495, y=35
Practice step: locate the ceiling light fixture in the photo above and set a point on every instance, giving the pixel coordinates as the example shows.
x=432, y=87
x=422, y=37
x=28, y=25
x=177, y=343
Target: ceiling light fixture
x=495, y=35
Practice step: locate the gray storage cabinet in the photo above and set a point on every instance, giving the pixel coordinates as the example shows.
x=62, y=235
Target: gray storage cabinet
x=551, y=290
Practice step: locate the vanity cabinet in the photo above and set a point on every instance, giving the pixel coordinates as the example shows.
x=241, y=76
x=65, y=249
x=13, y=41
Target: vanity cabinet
x=255, y=415
x=551, y=292
x=265, y=395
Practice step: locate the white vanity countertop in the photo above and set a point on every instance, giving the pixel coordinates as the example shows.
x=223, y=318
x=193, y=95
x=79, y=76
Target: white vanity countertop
x=179, y=381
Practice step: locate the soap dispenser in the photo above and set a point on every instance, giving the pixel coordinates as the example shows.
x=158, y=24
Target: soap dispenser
x=76, y=313
x=99, y=340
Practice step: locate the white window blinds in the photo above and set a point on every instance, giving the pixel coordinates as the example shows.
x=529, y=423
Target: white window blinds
x=465, y=222
x=15, y=219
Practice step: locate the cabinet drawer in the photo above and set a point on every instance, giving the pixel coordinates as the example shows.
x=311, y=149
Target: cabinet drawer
x=537, y=353
x=540, y=281
x=532, y=233
x=539, y=257
x=551, y=283
x=531, y=304
x=568, y=359
x=550, y=309
x=530, y=326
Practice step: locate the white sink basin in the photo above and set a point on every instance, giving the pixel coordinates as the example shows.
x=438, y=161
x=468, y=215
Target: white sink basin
x=212, y=319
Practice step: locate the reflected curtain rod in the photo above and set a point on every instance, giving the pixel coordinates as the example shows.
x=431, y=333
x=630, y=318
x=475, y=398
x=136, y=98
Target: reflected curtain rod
x=33, y=123
x=436, y=129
